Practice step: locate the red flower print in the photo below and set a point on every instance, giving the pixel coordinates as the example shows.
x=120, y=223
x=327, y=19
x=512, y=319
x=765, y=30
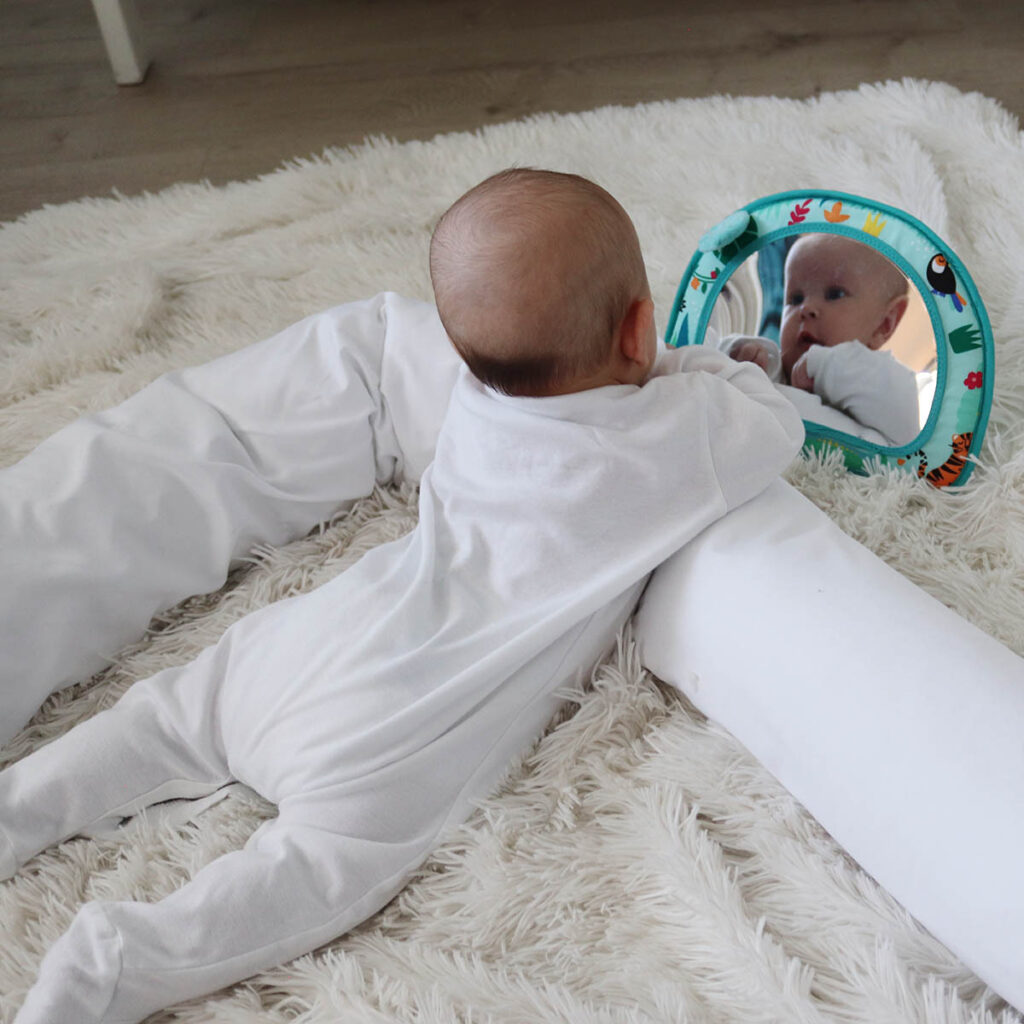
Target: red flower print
x=973, y=380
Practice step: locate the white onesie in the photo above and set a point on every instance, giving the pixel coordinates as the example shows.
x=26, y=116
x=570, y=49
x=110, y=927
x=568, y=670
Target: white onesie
x=375, y=708
x=860, y=391
x=870, y=385
x=126, y=512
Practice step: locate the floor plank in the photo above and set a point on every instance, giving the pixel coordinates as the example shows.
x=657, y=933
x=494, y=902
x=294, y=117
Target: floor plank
x=237, y=86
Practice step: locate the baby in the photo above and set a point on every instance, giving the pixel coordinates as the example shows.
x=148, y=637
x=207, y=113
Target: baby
x=374, y=710
x=843, y=301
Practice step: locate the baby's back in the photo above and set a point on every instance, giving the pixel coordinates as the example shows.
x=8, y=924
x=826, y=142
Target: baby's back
x=537, y=513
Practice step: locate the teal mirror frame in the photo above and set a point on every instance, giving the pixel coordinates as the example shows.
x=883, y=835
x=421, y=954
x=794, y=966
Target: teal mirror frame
x=965, y=359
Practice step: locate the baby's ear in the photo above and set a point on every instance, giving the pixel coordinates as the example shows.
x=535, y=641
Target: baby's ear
x=635, y=329
x=891, y=320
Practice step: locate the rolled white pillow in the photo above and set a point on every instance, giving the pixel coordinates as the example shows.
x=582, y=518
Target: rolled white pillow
x=886, y=714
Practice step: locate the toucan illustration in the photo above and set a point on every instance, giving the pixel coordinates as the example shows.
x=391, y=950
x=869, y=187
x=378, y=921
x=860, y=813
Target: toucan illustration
x=943, y=280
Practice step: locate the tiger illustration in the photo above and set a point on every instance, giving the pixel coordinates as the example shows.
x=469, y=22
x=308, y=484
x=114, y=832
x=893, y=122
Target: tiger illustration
x=948, y=472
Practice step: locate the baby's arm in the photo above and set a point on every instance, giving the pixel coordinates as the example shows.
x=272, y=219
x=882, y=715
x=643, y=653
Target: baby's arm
x=872, y=387
x=813, y=410
x=751, y=348
x=123, y=513
x=743, y=348
x=752, y=430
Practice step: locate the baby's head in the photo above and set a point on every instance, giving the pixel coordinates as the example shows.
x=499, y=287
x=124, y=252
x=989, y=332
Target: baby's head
x=837, y=290
x=541, y=286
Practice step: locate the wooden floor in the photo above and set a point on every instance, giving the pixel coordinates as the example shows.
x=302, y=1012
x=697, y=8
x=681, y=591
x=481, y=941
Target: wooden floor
x=237, y=86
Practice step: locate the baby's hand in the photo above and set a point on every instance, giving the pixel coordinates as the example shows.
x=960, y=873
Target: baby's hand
x=799, y=377
x=751, y=352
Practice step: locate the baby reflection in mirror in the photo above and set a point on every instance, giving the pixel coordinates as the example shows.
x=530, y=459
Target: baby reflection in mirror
x=842, y=302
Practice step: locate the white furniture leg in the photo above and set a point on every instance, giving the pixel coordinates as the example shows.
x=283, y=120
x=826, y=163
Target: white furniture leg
x=119, y=25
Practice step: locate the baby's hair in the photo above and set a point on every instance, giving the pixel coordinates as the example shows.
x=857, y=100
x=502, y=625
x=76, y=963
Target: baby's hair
x=533, y=271
x=897, y=283
x=900, y=281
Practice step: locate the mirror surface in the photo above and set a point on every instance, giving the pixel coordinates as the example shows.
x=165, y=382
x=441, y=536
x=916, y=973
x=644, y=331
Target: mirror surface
x=840, y=328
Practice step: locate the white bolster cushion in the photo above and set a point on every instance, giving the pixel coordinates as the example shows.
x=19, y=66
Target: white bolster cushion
x=895, y=722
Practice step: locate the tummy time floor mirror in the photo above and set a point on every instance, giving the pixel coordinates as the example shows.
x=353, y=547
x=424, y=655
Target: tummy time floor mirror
x=742, y=281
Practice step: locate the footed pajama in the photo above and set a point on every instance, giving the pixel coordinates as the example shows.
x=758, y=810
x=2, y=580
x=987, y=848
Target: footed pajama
x=124, y=513
x=372, y=710
x=351, y=826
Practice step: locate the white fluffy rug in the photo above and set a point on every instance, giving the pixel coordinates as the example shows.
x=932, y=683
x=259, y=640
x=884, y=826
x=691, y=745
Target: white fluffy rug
x=638, y=865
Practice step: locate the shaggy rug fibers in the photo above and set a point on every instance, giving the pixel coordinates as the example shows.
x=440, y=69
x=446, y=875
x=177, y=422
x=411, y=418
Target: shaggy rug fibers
x=638, y=864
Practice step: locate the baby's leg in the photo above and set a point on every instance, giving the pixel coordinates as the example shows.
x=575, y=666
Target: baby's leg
x=334, y=856
x=160, y=741
x=297, y=884
x=124, y=513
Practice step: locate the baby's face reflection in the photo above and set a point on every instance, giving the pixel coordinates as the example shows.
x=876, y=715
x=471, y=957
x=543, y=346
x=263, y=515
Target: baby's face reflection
x=837, y=290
